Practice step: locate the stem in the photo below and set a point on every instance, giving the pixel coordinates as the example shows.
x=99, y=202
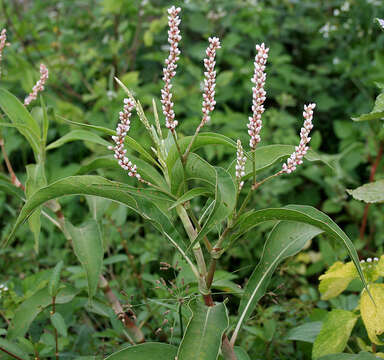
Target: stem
x=185, y=156
x=10, y=354
x=173, y=132
x=211, y=273
x=254, y=167
x=180, y=320
x=371, y=178
x=56, y=336
x=14, y=179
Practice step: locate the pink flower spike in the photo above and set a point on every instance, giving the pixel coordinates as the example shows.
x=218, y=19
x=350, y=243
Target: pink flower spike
x=297, y=156
x=240, y=164
x=169, y=70
x=258, y=95
x=39, y=85
x=209, y=80
x=121, y=132
x=3, y=43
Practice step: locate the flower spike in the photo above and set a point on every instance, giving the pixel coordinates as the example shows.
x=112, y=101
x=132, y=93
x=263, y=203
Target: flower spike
x=121, y=132
x=258, y=95
x=3, y=43
x=209, y=80
x=169, y=71
x=297, y=157
x=39, y=85
x=240, y=164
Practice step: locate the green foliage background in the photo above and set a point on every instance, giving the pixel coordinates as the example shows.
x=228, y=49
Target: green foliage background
x=328, y=52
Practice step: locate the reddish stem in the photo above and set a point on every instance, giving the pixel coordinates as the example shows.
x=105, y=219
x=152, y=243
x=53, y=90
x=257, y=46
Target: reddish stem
x=371, y=178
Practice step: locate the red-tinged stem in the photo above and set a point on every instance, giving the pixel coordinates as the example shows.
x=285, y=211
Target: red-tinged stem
x=14, y=179
x=10, y=354
x=371, y=178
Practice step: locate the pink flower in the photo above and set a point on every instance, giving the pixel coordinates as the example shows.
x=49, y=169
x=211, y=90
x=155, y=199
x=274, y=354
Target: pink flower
x=297, y=157
x=39, y=85
x=209, y=80
x=258, y=95
x=121, y=132
x=170, y=70
x=240, y=164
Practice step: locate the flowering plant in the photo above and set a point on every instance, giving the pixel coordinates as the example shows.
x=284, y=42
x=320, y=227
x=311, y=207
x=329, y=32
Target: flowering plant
x=170, y=180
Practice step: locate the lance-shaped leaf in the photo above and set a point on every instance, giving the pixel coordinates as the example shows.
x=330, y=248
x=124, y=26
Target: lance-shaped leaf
x=360, y=356
x=299, y=213
x=286, y=239
x=19, y=115
x=202, y=338
x=88, y=245
x=377, y=112
x=369, y=193
x=158, y=351
x=75, y=135
x=335, y=333
x=144, y=202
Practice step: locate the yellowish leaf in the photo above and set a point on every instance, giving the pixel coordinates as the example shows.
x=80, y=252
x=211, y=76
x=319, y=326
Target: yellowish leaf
x=373, y=313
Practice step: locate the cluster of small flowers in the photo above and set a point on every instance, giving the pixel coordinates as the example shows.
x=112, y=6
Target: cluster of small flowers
x=170, y=70
x=369, y=260
x=258, y=95
x=240, y=164
x=39, y=85
x=165, y=322
x=3, y=41
x=209, y=79
x=296, y=158
x=121, y=132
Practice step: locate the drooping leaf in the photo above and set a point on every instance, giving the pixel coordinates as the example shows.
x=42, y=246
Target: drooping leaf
x=286, y=239
x=158, y=351
x=88, y=245
x=335, y=333
x=75, y=135
x=202, y=338
x=369, y=193
x=13, y=349
x=19, y=115
x=139, y=200
x=306, y=332
x=372, y=313
x=30, y=308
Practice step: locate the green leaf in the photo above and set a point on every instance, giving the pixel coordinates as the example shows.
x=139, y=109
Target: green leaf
x=101, y=129
x=306, y=332
x=335, y=333
x=360, y=356
x=19, y=115
x=97, y=206
x=377, y=112
x=300, y=213
x=198, y=191
x=370, y=193
x=202, y=338
x=59, y=323
x=286, y=239
x=241, y=354
x=202, y=139
x=74, y=135
x=35, y=180
x=372, y=313
x=30, y=308
x=9, y=188
x=141, y=201
x=54, y=281
x=217, y=181
x=13, y=349
x=88, y=245
x=158, y=351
